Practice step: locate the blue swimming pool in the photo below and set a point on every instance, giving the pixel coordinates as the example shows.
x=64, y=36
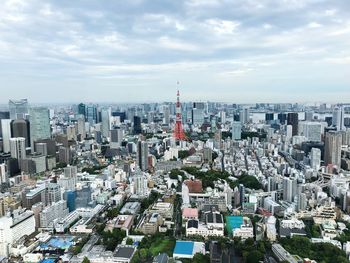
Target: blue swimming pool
x=184, y=247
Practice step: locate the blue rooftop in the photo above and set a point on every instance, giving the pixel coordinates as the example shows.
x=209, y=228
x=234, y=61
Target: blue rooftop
x=47, y=261
x=184, y=247
x=233, y=222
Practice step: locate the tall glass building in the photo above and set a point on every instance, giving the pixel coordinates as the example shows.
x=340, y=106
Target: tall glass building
x=18, y=109
x=39, y=120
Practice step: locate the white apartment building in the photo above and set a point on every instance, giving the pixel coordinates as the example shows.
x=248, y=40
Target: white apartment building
x=13, y=228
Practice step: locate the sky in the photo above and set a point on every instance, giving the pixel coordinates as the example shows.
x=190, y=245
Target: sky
x=236, y=51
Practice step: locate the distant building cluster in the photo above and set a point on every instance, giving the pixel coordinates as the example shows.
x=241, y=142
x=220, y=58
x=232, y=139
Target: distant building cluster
x=160, y=182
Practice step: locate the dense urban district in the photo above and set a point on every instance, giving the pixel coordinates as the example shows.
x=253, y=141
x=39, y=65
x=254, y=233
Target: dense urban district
x=171, y=182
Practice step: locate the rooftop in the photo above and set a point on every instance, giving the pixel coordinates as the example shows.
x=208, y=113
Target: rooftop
x=184, y=247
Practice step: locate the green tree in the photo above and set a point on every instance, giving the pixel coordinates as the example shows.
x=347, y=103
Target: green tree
x=86, y=260
x=200, y=258
x=254, y=256
x=129, y=241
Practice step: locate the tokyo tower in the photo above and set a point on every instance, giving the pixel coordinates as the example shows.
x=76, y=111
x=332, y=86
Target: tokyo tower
x=179, y=133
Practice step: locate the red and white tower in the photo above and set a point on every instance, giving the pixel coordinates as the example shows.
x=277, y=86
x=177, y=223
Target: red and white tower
x=179, y=133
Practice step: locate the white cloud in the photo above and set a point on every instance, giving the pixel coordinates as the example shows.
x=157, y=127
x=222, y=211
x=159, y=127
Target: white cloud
x=222, y=26
x=170, y=43
x=314, y=25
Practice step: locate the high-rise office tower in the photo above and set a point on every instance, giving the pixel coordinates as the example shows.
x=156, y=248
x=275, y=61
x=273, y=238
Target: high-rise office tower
x=315, y=158
x=142, y=155
x=18, y=148
x=333, y=148
x=39, y=122
x=3, y=115
x=137, y=125
x=282, y=117
x=140, y=183
x=311, y=130
x=3, y=173
x=292, y=119
x=6, y=134
x=116, y=138
x=309, y=115
x=289, y=132
x=82, y=109
x=81, y=127
x=71, y=133
x=20, y=128
x=338, y=118
x=244, y=115
x=166, y=114
x=18, y=109
x=241, y=190
x=91, y=114
x=269, y=117
x=105, y=118
x=289, y=189
x=222, y=115
x=121, y=115
x=302, y=202
x=198, y=113
x=236, y=130
x=218, y=139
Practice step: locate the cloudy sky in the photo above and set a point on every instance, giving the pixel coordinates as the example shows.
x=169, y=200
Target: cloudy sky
x=136, y=50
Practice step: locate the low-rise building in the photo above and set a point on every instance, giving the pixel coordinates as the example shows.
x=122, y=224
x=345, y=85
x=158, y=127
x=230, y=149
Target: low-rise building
x=150, y=223
x=245, y=230
x=166, y=210
x=213, y=226
x=131, y=208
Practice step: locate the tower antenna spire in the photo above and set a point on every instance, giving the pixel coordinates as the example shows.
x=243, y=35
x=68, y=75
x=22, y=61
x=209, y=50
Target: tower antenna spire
x=179, y=133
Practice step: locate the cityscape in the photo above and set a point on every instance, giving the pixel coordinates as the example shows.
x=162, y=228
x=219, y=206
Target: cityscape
x=204, y=131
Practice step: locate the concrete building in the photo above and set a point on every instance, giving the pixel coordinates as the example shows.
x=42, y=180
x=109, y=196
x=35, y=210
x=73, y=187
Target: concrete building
x=245, y=231
x=18, y=148
x=13, y=228
x=18, y=109
x=333, y=148
x=52, y=213
x=39, y=124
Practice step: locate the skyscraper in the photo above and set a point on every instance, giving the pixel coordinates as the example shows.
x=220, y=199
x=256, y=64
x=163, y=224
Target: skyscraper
x=39, y=124
x=315, y=158
x=82, y=109
x=289, y=189
x=338, y=118
x=105, y=116
x=18, y=148
x=333, y=148
x=142, y=155
x=282, y=117
x=292, y=119
x=236, y=130
x=244, y=115
x=20, y=128
x=6, y=134
x=81, y=128
x=269, y=117
x=137, y=125
x=311, y=130
x=116, y=138
x=18, y=109
x=198, y=113
x=3, y=115
x=166, y=115
x=91, y=114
